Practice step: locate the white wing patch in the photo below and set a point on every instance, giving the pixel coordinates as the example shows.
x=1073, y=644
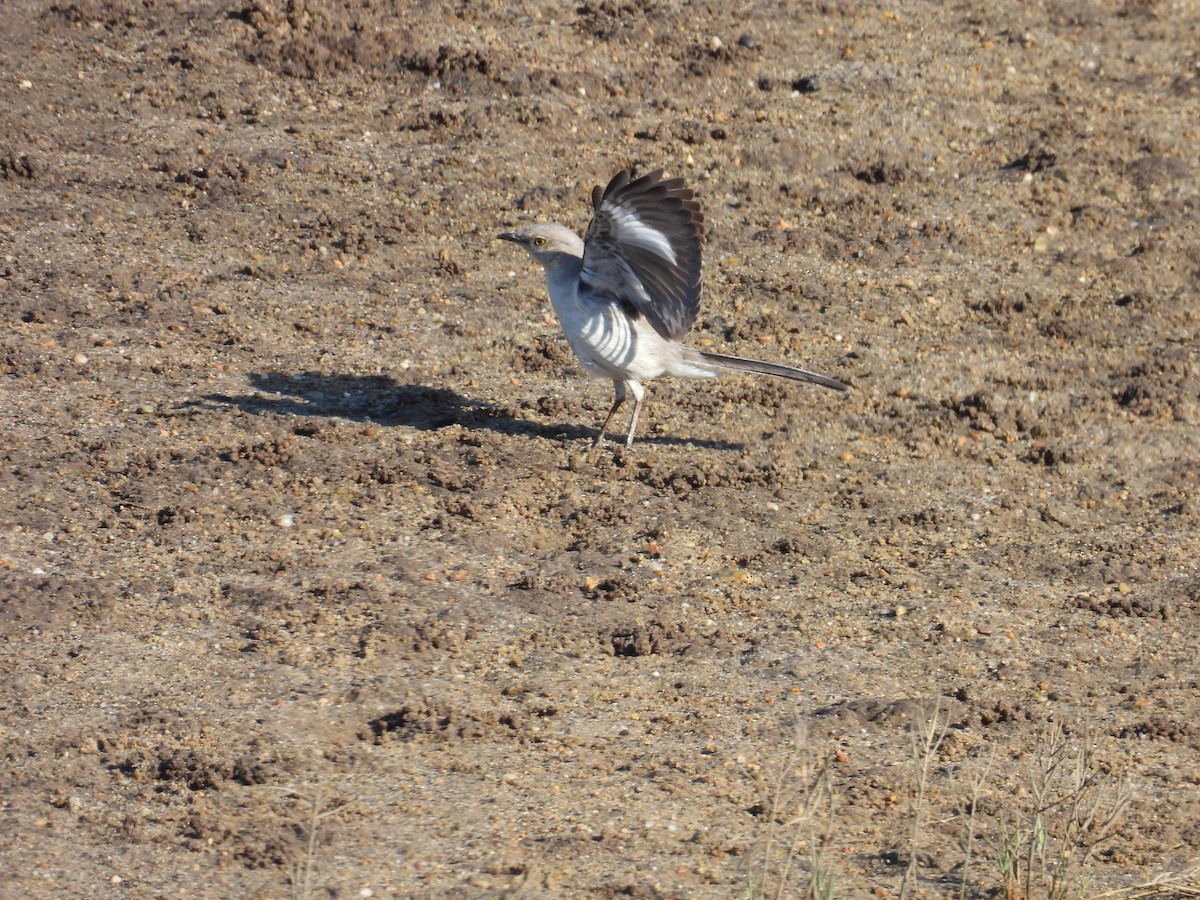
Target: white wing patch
x=610, y=337
x=632, y=230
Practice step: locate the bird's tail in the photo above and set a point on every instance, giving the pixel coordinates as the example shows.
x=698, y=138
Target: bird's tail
x=767, y=368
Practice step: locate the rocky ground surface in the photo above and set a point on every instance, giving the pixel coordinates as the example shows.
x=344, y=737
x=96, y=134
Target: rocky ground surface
x=312, y=585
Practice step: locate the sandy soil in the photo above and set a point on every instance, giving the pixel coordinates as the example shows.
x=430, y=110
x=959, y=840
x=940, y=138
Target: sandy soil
x=312, y=585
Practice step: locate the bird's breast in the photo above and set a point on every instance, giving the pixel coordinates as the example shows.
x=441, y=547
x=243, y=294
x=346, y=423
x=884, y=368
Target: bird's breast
x=606, y=339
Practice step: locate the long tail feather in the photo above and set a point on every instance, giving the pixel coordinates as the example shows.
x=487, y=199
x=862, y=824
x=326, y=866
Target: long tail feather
x=767, y=368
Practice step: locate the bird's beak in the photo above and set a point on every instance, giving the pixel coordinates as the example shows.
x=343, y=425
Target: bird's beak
x=509, y=236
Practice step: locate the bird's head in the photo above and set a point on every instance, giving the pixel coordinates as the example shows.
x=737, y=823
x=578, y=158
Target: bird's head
x=550, y=245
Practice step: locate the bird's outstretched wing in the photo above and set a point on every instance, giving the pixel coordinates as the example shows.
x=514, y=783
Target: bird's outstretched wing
x=642, y=249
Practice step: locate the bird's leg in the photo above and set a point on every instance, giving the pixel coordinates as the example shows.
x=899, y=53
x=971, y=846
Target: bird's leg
x=619, y=388
x=639, y=394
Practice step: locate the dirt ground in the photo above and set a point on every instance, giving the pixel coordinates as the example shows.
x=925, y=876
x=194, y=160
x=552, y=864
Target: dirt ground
x=312, y=585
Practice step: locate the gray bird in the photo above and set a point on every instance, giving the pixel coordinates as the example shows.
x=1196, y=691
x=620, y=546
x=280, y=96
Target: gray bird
x=628, y=293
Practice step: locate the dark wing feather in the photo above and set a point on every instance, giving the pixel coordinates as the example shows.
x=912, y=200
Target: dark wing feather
x=642, y=249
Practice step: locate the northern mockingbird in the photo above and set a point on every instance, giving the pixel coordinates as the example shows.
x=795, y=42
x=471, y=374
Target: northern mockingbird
x=628, y=293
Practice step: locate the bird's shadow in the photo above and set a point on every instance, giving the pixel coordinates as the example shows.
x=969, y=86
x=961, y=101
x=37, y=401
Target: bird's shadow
x=355, y=398
x=384, y=401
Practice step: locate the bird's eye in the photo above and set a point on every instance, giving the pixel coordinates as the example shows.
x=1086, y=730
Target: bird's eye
x=539, y=242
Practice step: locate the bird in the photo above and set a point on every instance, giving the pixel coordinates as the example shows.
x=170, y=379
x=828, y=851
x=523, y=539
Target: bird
x=627, y=294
